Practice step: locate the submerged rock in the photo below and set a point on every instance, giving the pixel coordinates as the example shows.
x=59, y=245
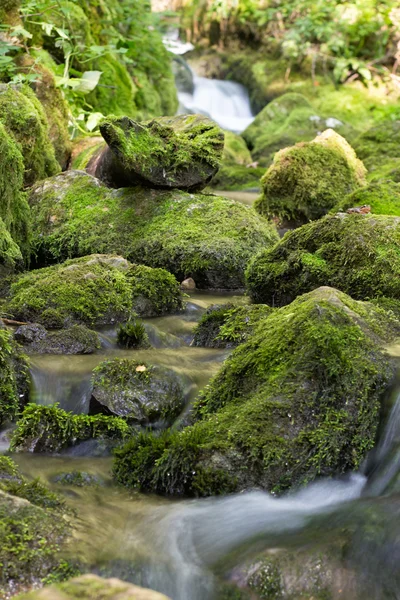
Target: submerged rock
x=359, y=254
x=141, y=393
x=308, y=179
x=298, y=400
x=90, y=587
x=181, y=152
x=206, y=237
x=93, y=290
x=77, y=339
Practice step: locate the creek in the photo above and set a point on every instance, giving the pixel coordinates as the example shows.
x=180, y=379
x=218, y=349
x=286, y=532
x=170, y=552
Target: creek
x=182, y=548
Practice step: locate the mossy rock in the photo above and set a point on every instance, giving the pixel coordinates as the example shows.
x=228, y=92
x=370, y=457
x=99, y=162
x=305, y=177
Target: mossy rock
x=379, y=145
x=206, y=237
x=14, y=210
x=51, y=429
x=92, y=587
x=235, y=150
x=308, y=179
x=52, y=100
x=24, y=119
x=284, y=122
x=359, y=254
x=116, y=94
x=141, y=393
x=79, y=479
x=227, y=325
x=10, y=255
x=299, y=399
x=93, y=290
x=382, y=196
x=14, y=377
x=168, y=152
x=77, y=339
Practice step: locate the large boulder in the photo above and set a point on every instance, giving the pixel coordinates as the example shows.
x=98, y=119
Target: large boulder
x=25, y=120
x=308, y=179
x=92, y=587
x=93, y=290
x=139, y=392
x=181, y=152
x=359, y=254
x=51, y=429
x=206, y=237
x=299, y=399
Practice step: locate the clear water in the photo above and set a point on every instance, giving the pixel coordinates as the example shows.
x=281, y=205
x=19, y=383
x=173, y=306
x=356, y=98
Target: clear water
x=182, y=548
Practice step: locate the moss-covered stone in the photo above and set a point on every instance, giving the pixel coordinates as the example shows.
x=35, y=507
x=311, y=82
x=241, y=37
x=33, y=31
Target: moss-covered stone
x=93, y=290
x=359, y=254
x=51, y=429
x=307, y=180
x=382, y=196
x=14, y=210
x=231, y=177
x=170, y=152
x=227, y=325
x=13, y=377
x=208, y=238
x=77, y=339
x=24, y=119
x=155, y=292
x=139, y=392
x=379, y=145
x=92, y=587
x=10, y=255
x=235, y=150
x=133, y=335
x=299, y=399
x=284, y=122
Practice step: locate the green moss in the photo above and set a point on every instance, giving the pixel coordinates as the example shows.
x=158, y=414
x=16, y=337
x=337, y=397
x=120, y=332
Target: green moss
x=51, y=429
x=14, y=209
x=31, y=539
x=181, y=151
x=228, y=325
x=299, y=399
x=93, y=290
x=307, y=180
x=235, y=150
x=10, y=254
x=379, y=144
x=24, y=119
x=205, y=237
x=13, y=374
x=155, y=292
x=358, y=254
x=116, y=92
x=383, y=197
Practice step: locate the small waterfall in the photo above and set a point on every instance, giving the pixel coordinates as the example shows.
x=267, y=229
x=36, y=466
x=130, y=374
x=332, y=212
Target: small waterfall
x=226, y=102
x=59, y=381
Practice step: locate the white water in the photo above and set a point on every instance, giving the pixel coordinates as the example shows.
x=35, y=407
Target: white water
x=226, y=102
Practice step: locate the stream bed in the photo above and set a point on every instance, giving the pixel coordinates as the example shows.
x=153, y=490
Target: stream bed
x=184, y=547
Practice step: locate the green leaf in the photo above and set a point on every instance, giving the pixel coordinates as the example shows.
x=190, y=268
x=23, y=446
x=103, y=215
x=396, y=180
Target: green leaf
x=93, y=121
x=62, y=33
x=88, y=82
x=19, y=31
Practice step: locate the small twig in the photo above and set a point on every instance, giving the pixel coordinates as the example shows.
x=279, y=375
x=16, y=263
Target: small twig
x=12, y=322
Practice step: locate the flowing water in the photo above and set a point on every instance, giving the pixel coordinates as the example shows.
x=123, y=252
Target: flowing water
x=184, y=548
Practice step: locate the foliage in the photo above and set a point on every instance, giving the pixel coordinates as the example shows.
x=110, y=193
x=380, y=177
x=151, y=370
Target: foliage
x=132, y=335
x=13, y=371
x=355, y=39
